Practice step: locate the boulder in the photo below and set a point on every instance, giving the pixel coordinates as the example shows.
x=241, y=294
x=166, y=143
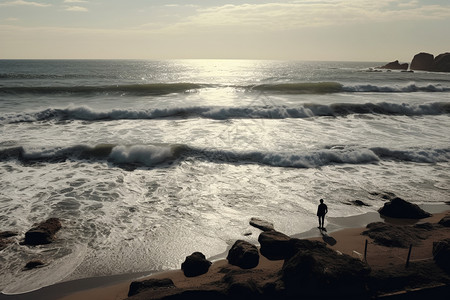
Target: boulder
x=323, y=273
x=137, y=287
x=442, y=63
x=43, y=233
x=261, y=224
x=422, y=61
x=441, y=253
x=445, y=221
x=243, y=254
x=395, y=65
x=399, y=208
x=274, y=245
x=195, y=264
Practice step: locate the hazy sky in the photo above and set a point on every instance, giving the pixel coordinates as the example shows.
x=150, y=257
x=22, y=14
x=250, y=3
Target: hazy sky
x=361, y=30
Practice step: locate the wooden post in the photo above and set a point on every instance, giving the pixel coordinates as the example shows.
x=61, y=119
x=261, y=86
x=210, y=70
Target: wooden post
x=365, y=252
x=409, y=255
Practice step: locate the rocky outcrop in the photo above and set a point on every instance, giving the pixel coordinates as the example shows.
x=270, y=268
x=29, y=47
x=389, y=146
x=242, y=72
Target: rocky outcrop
x=396, y=235
x=261, y=224
x=43, y=233
x=427, y=62
x=422, y=61
x=243, y=254
x=395, y=65
x=274, y=245
x=321, y=273
x=442, y=62
x=195, y=264
x=399, y=208
x=137, y=287
x=441, y=253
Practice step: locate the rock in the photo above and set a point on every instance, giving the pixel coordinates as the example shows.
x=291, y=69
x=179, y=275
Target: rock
x=33, y=264
x=261, y=224
x=442, y=63
x=323, y=273
x=359, y=203
x=395, y=65
x=396, y=235
x=274, y=245
x=43, y=233
x=243, y=254
x=4, y=238
x=445, y=221
x=422, y=61
x=7, y=234
x=137, y=287
x=399, y=208
x=441, y=253
x=195, y=264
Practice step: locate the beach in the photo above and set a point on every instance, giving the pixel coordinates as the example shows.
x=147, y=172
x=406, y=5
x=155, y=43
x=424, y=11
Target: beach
x=345, y=235
x=147, y=161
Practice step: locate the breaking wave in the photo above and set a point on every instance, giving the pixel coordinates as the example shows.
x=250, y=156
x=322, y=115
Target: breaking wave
x=155, y=89
x=154, y=155
x=131, y=89
x=223, y=113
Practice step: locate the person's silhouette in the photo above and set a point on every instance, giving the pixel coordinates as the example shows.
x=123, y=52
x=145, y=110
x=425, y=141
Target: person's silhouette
x=321, y=212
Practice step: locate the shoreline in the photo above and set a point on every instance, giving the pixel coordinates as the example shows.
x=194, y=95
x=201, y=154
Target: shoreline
x=340, y=229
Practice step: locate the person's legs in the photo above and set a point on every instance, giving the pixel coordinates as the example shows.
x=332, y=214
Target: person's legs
x=320, y=220
x=323, y=221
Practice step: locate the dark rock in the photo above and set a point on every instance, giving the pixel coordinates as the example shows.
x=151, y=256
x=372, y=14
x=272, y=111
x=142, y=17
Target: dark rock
x=301, y=245
x=137, y=287
x=442, y=63
x=247, y=289
x=445, y=221
x=396, y=235
x=359, y=203
x=195, y=264
x=4, y=238
x=395, y=65
x=322, y=272
x=43, y=233
x=441, y=253
x=399, y=208
x=33, y=264
x=422, y=61
x=243, y=254
x=7, y=234
x=274, y=245
x=261, y=224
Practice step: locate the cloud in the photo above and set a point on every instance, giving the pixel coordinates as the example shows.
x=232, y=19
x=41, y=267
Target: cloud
x=11, y=19
x=25, y=3
x=75, y=1
x=291, y=15
x=76, y=8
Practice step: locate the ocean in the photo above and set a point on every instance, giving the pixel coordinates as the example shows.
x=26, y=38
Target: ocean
x=146, y=161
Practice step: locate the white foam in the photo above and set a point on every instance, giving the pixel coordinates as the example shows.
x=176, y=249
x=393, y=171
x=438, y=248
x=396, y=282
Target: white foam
x=148, y=155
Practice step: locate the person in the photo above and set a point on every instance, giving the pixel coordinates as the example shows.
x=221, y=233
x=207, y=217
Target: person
x=321, y=212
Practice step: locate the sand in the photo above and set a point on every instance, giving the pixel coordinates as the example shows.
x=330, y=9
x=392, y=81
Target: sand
x=345, y=240
x=349, y=241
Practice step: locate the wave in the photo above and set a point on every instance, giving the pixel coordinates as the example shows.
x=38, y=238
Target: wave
x=154, y=155
x=224, y=113
x=150, y=89
x=128, y=89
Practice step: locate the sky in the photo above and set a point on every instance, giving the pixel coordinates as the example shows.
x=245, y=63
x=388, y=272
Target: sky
x=330, y=30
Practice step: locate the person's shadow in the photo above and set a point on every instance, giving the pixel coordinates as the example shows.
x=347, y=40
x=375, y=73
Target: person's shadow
x=326, y=238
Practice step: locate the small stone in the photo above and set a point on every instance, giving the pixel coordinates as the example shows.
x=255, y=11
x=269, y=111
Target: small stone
x=33, y=264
